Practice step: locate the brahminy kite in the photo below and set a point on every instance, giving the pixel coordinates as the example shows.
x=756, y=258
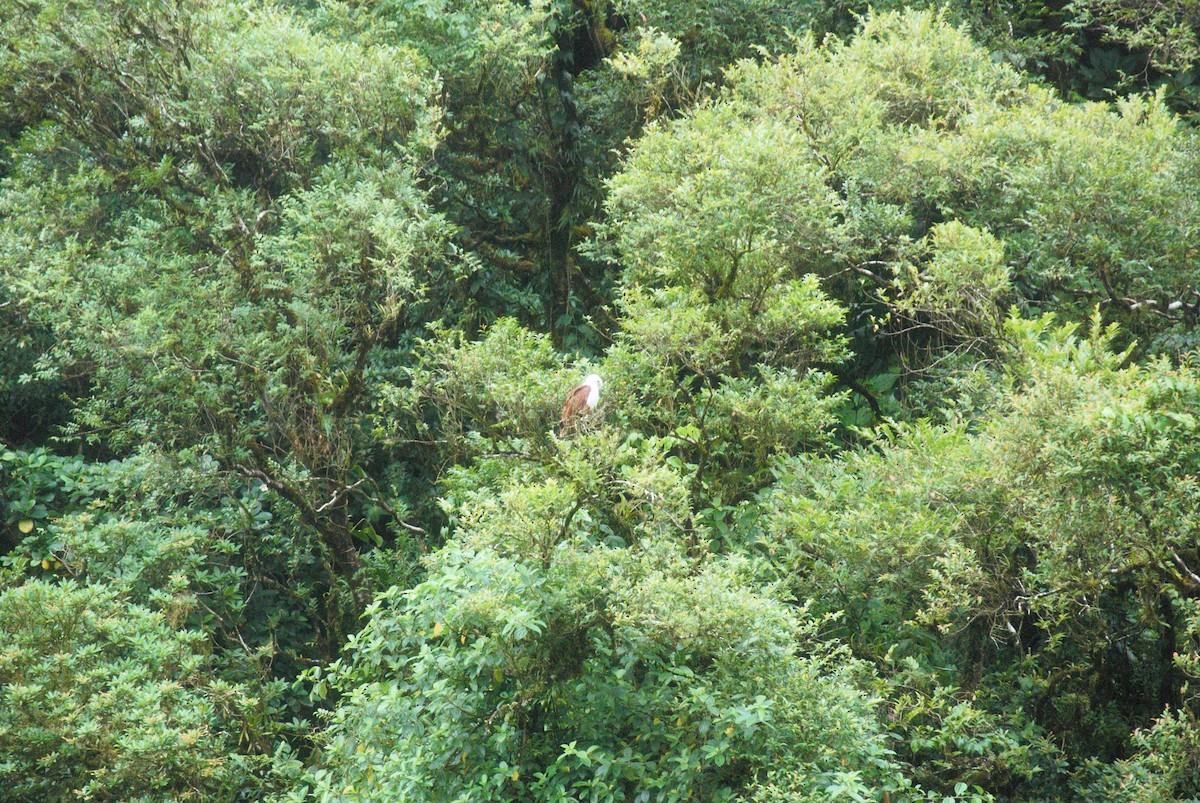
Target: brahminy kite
x=581, y=402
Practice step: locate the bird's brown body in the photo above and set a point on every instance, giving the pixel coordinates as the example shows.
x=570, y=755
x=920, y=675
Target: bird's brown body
x=580, y=403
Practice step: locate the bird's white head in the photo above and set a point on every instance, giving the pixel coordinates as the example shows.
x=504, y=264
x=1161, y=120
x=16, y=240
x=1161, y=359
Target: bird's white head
x=593, y=381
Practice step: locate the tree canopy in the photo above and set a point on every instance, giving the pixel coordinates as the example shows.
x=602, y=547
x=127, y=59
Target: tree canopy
x=891, y=493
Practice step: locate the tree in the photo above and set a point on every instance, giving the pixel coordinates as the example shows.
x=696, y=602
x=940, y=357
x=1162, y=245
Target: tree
x=102, y=699
x=722, y=322
x=886, y=163
x=1166, y=32
x=1032, y=579
x=214, y=212
x=292, y=297
x=603, y=673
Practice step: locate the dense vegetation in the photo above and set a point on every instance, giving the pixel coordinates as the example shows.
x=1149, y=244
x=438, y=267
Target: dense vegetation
x=893, y=492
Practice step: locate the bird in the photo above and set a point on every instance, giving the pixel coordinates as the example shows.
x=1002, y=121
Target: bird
x=581, y=402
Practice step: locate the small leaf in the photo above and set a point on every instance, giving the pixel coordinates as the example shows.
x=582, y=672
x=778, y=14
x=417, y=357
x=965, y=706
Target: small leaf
x=437, y=629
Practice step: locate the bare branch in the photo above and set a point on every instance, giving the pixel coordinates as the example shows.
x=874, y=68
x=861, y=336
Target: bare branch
x=339, y=495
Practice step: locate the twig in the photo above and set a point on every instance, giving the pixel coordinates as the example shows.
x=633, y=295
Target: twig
x=340, y=494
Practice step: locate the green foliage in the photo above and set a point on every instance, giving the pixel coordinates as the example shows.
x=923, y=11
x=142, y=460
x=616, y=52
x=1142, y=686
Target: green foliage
x=302, y=290
x=712, y=36
x=868, y=162
x=504, y=129
x=1166, y=32
x=652, y=65
x=172, y=535
x=499, y=392
x=1046, y=560
x=607, y=674
x=721, y=206
x=490, y=408
x=960, y=287
x=539, y=99
x=722, y=319
x=221, y=92
x=208, y=551
x=29, y=410
x=103, y=700
x=1163, y=767
x=36, y=486
x=542, y=627
x=840, y=525
x=243, y=241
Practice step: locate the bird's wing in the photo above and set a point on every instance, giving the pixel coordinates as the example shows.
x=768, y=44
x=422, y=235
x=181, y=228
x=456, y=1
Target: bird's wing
x=576, y=403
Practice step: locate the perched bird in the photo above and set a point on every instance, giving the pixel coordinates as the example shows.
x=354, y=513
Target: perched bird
x=580, y=403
